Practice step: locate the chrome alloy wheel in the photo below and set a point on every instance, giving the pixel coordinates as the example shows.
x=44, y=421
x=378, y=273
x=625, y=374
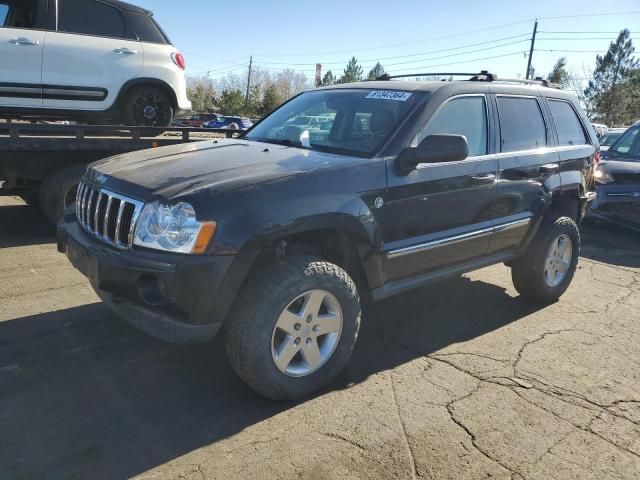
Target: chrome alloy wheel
x=558, y=260
x=306, y=333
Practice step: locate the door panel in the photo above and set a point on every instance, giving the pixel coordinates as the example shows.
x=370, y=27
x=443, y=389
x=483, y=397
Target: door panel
x=437, y=215
x=528, y=174
x=21, y=74
x=90, y=57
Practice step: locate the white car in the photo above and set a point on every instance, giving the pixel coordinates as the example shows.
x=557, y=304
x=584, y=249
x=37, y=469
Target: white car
x=103, y=61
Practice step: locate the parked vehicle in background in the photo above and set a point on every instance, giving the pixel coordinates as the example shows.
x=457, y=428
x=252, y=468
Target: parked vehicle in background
x=600, y=129
x=610, y=137
x=232, y=123
x=102, y=61
x=281, y=239
x=196, y=120
x=618, y=181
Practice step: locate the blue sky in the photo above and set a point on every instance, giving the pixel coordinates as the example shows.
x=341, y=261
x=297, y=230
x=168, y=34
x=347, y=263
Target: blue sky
x=413, y=35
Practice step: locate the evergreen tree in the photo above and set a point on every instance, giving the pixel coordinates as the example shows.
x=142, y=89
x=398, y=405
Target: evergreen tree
x=270, y=100
x=559, y=74
x=608, y=90
x=231, y=102
x=328, y=79
x=376, y=72
x=352, y=72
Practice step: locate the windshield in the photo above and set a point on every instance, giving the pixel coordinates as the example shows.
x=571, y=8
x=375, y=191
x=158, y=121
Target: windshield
x=609, y=138
x=348, y=121
x=627, y=144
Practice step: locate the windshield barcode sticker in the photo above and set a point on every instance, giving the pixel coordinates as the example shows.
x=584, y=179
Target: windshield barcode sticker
x=389, y=95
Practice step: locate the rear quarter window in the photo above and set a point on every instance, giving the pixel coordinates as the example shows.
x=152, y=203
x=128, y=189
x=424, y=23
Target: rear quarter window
x=521, y=124
x=568, y=126
x=147, y=29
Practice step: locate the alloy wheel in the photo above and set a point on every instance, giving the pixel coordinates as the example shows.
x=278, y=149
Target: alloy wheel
x=306, y=333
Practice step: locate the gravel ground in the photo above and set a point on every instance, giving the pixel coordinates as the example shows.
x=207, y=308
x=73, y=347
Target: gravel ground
x=461, y=380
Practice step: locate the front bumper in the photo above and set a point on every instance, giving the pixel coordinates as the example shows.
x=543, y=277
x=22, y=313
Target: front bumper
x=618, y=203
x=175, y=298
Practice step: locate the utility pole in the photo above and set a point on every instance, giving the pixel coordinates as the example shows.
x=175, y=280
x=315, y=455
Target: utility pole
x=246, y=98
x=533, y=42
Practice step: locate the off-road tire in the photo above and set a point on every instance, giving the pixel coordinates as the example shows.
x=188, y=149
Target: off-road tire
x=57, y=191
x=249, y=327
x=528, y=272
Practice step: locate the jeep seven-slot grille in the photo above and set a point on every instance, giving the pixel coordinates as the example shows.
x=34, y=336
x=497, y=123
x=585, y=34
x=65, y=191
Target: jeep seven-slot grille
x=107, y=215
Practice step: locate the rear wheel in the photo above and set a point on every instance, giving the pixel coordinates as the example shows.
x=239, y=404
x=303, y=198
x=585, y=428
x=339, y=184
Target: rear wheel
x=59, y=190
x=547, y=269
x=147, y=106
x=293, y=327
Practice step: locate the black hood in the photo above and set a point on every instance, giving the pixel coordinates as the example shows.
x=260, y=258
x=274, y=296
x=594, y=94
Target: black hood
x=216, y=166
x=618, y=166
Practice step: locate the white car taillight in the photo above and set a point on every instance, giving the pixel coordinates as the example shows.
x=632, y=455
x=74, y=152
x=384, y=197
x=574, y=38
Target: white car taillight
x=178, y=59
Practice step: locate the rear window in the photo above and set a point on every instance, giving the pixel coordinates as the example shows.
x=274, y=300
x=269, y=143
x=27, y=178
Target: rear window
x=88, y=17
x=521, y=124
x=568, y=126
x=147, y=29
x=625, y=144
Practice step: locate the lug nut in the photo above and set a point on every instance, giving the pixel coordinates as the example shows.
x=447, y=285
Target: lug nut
x=297, y=341
x=309, y=319
x=297, y=326
x=316, y=328
x=309, y=341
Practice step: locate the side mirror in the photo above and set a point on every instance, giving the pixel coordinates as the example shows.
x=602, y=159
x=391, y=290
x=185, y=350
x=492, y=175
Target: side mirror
x=435, y=149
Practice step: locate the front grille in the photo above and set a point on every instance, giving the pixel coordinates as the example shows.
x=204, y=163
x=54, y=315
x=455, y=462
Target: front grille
x=109, y=216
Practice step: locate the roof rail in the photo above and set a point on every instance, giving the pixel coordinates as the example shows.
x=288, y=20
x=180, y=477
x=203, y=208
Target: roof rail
x=483, y=76
x=474, y=76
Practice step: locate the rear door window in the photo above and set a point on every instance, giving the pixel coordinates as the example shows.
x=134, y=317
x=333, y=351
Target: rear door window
x=90, y=17
x=568, y=126
x=521, y=124
x=4, y=11
x=461, y=116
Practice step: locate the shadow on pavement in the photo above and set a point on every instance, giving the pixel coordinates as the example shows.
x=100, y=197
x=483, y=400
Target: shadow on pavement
x=609, y=243
x=86, y=396
x=21, y=225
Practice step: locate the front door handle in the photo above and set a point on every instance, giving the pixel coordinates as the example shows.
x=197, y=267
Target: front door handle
x=549, y=168
x=483, y=179
x=125, y=51
x=24, y=41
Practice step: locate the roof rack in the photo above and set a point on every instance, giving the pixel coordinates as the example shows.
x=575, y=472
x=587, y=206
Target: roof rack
x=483, y=76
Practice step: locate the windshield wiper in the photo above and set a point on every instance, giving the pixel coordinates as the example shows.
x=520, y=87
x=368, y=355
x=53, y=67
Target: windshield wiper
x=277, y=141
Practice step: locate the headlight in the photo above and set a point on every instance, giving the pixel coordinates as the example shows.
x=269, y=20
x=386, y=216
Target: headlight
x=602, y=176
x=173, y=228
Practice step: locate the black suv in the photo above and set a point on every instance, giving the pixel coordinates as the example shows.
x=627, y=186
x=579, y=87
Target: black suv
x=280, y=236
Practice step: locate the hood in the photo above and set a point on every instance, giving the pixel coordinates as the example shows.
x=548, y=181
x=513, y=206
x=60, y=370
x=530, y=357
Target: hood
x=618, y=166
x=216, y=166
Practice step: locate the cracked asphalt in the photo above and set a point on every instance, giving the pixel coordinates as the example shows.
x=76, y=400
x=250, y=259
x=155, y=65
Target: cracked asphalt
x=461, y=380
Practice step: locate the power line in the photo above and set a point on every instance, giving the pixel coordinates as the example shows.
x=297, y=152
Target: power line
x=405, y=56
x=522, y=52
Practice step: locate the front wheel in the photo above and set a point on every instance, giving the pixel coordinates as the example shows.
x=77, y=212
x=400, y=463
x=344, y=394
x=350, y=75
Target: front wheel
x=58, y=192
x=293, y=327
x=546, y=270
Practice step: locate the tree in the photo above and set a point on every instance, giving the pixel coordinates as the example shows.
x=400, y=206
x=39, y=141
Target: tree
x=270, y=100
x=559, y=74
x=376, y=72
x=608, y=90
x=352, y=72
x=328, y=79
x=201, y=93
x=231, y=102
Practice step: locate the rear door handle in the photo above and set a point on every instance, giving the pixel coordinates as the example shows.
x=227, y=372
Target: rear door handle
x=125, y=51
x=482, y=179
x=549, y=168
x=24, y=41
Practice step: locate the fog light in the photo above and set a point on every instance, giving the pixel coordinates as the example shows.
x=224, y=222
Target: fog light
x=152, y=290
